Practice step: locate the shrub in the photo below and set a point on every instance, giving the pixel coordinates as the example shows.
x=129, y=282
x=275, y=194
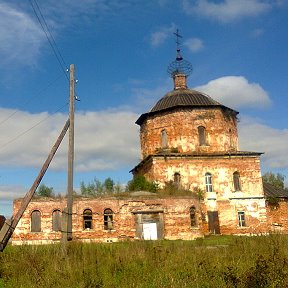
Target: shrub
x=139, y=183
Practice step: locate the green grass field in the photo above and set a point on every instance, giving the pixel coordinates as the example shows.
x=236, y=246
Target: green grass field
x=218, y=261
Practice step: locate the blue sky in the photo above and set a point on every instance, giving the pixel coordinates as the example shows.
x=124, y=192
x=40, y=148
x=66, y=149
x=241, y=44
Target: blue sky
x=121, y=50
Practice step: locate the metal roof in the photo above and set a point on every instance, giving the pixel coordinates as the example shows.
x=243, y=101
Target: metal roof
x=272, y=191
x=182, y=98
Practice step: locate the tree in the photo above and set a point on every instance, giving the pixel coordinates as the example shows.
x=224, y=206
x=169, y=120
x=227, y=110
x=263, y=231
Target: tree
x=139, y=183
x=96, y=187
x=44, y=191
x=277, y=180
x=108, y=185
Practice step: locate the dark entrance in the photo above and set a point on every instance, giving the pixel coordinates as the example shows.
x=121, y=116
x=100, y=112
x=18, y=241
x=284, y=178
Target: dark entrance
x=213, y=222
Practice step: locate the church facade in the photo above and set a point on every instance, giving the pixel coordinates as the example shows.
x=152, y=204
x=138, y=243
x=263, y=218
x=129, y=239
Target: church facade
x=191, y=140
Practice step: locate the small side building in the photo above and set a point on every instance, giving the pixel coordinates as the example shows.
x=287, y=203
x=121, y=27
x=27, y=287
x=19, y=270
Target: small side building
x=137, y=216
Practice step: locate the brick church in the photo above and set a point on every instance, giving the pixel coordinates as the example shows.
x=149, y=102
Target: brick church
x=187, y=139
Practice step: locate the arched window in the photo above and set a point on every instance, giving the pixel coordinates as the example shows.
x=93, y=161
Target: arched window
x=164, y=139
x=87, y=219
x=193, y=216
x=202, y=135
x=36, y=221
x=108, y=219
x=208, y=182
x=236, y=181
x=177, y=179
x=56, y=220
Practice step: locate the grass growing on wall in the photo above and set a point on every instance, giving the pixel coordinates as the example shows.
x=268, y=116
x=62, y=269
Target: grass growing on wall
x=223, y=261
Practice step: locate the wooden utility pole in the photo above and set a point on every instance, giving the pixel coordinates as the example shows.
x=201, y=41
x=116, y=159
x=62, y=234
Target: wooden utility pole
x=9, y=226
x=70, y=155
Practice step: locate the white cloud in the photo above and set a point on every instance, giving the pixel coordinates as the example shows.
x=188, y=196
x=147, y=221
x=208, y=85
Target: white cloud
x=256, y=136
x=236, y=92
x=227, y=10
x=194, y=44
x=103, y=140
x=21, y=39
x=157, y=38
x=11, y=192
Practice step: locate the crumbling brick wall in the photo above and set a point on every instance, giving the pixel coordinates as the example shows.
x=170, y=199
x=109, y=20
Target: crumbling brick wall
x=182, y=125
x=174, y=212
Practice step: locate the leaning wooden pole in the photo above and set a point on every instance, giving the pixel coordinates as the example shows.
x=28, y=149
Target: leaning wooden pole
x=9, y=226
x=70, y=156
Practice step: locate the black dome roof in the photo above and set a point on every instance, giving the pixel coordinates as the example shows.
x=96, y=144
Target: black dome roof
x=181, y=98
x=184, y=97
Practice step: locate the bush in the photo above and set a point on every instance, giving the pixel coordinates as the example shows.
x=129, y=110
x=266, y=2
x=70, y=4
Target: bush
x=139, y=183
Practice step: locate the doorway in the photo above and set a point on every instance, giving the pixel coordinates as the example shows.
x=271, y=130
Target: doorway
x=213, y=222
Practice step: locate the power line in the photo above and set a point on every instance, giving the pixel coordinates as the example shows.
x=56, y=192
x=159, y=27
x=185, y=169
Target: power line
x=28, y=100
x=28, y=130
x=49, y=37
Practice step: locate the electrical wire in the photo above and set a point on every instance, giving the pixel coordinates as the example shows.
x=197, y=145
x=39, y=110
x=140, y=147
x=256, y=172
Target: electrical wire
x=29, y=100
x=28, y=130
x=49, y=37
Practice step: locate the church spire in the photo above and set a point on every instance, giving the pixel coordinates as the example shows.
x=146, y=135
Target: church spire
x=179, y=69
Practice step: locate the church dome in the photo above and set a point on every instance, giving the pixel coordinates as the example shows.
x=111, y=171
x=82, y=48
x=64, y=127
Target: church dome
x=182, y=98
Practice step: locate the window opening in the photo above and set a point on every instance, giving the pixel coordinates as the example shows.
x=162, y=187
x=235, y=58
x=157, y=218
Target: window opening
x=56, y=220
x=164, y=139
x=36, y=221
x=177, y=179
x=241, y=219
x=108, y=219
x=208, y=182
x=87, y=219
x=202, y=135
x=236, y=181
x=193, y=216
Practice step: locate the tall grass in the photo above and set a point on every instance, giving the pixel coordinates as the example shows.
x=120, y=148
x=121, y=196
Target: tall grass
x=260, y=261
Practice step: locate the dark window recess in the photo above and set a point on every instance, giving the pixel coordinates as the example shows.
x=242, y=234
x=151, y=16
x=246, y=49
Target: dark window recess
x=36, y=221
x=87, y=219
x=108, y=219
x=202, y=135
x=177, y=179
x=193, y=216
x=56, y=220
x=164, y=139
x=236, y=181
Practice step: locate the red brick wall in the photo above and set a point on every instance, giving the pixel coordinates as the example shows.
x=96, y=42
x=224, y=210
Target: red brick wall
x=193, y=169
x=176, y=218
x=278, y=217
x=182, y=131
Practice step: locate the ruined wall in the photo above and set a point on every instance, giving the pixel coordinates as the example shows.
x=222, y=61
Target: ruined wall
x=254, y=214
x=223, y=200
x=173, y=217
x=192, y=172
x=182, y=125
x=277, y=216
